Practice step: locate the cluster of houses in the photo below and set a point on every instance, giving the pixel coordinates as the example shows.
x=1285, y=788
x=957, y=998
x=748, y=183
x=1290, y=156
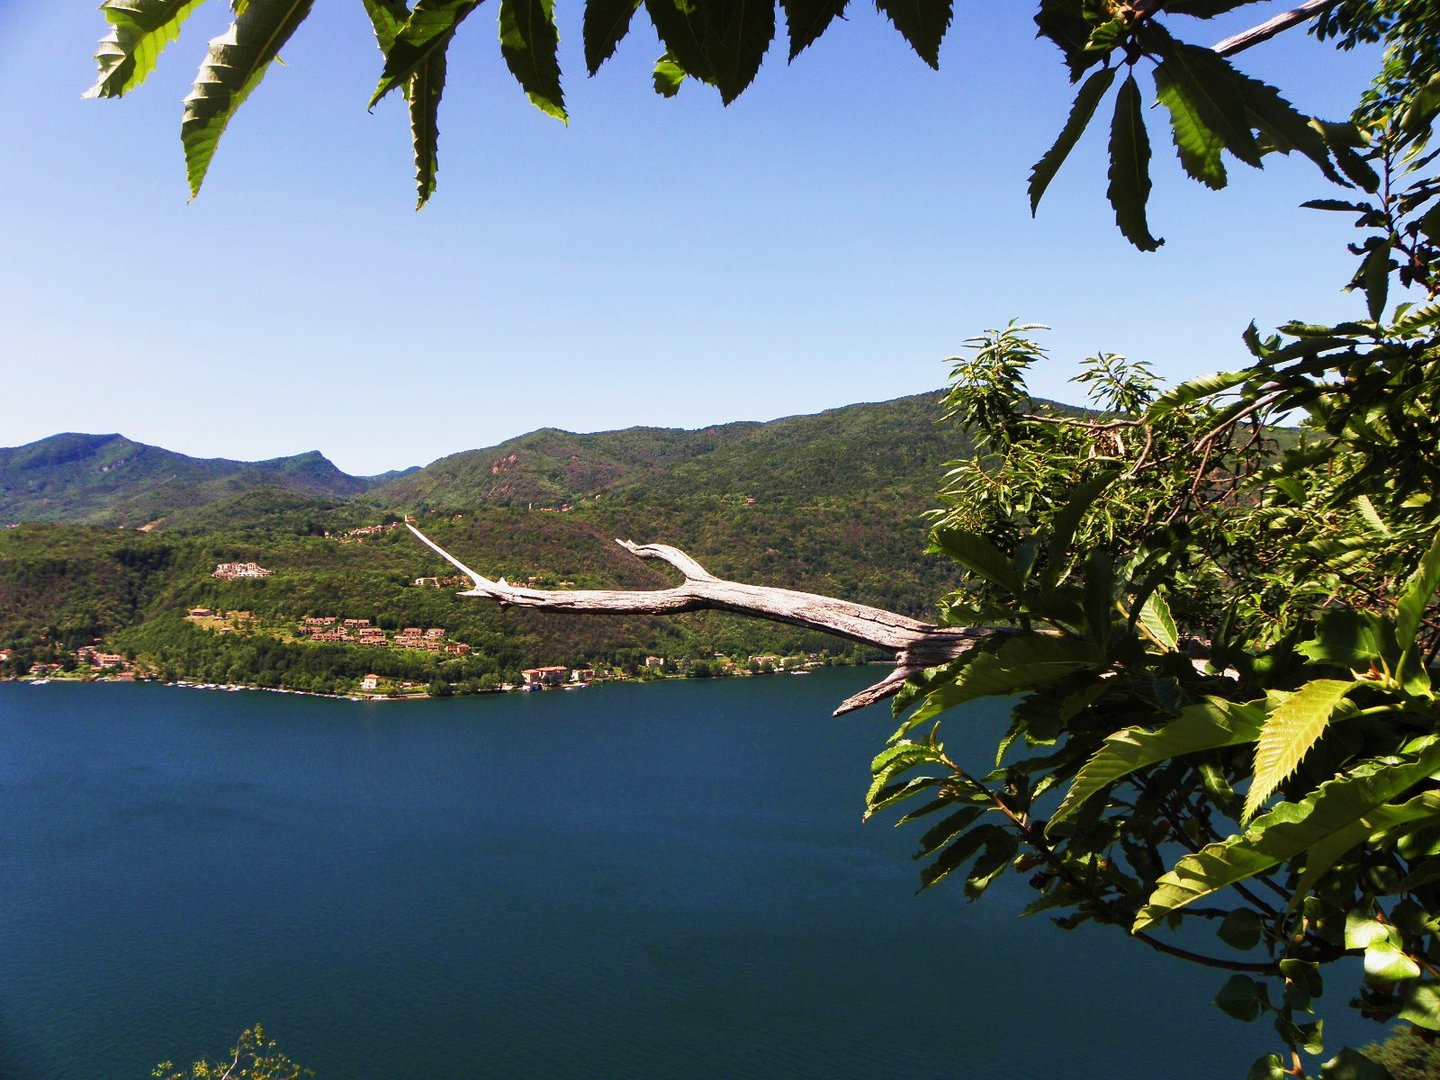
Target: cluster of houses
x=102, y=661
x=330, y=628
x=230, y=571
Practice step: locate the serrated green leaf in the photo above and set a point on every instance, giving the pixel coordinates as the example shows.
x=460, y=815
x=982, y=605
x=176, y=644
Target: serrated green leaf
x=1355, y=168
x=1021, y=662
x=1323, y=855
x=952, y=826
x=1213, y=91
x=139, y=32
x=899, y=792
x=430, y=27
x=1212, y=724
x=605, y=24
x=530, y=43
x=978, y=555
x=1285, y=126
x=387, y=17
x=955, y=856
x=1000, y=848
x=1198, y=147
x=1287, y=831
x=1195, y=390
x=1081, y=112
x=1375, y=279
x=1352, y=640
x=922, y=23
x=1129, y=188
x=806, y=20
x=1294, y=726
x=1416, y=597
x=1158, y=623
x=1067, y=520
x=233, y=67
x=1419, y=318
x=427, y=85
x=738, y=42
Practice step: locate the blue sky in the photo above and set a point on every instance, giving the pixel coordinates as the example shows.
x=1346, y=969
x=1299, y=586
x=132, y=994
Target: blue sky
x=830, y=238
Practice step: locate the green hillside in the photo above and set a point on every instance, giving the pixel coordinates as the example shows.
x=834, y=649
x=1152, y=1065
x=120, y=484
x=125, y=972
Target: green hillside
x=831, y=503
x=112, y=480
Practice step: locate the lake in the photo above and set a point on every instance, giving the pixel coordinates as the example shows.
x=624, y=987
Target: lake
x=668, y=880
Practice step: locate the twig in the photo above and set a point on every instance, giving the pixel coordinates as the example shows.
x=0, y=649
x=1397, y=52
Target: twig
x=1268, y=29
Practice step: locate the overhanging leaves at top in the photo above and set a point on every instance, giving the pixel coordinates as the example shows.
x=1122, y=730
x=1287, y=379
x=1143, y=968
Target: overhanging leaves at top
x=236, y=63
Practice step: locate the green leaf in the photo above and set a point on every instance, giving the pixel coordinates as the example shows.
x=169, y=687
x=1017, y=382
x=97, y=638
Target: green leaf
x=1199, y=148
x=1285, y=126
x=1214, y=723
x=1419, y=591
x=605, y=24
x=1158, y=623
x=806, y=20
x=1290, y=731
x=386, y=18
x=1324, y=854
x=1067, y=520
x=899, y=792
x=1287, y=831
x=922, y=23
x=1419, y=318
x=978, y=555
x=1129, y=188
x=234, y=66
x=953, y=825
x=1385, y=958
x=431, y=25
x=1352, y=640
x=1422, y=1005
x=955, y=856
x=1375, y=278
x=738, y=43
x=1000, y=848
x=530, y=44
x=427, y=84
x=1086, y=102
x=668, y=76
x=139, y=32
x=1268, y=1067
x=1212, y=90
x=1187, y=393
x=1242, y=998
x=1352, y=1065
x=1022, y=662
x=1241, y=929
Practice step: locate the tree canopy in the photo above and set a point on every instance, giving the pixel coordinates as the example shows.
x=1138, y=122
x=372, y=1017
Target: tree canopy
x=1220, y=636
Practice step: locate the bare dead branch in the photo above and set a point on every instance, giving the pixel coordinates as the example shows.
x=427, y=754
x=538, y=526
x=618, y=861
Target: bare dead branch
x=917, y=644
x=1271, y=27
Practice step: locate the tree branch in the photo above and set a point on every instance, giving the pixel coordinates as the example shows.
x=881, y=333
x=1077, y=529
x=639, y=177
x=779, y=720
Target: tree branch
x=1268, y=29
x=917, y=645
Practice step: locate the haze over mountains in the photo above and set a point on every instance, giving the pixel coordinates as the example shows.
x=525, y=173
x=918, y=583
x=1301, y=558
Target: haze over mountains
x=889, y=447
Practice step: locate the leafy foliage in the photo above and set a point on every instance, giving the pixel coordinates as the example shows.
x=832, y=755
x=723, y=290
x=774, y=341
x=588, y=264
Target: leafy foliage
x=1214, y=108
x=254, y=1057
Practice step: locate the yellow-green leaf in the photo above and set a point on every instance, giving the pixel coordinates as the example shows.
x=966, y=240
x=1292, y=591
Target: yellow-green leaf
x=1294, y=726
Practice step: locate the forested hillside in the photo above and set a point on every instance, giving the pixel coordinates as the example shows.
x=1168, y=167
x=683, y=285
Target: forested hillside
x=831, y=503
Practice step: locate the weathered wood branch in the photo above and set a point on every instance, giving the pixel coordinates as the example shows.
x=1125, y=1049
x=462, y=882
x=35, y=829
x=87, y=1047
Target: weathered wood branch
x=1271, y=27
x=917, y=645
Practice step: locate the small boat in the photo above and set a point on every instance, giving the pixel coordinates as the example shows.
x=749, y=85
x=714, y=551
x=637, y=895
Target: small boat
x=40, y=682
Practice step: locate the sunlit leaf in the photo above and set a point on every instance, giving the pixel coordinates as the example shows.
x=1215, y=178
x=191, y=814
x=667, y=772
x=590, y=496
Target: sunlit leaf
x=139, y=32
x=427, y=84
x=1287, y=831
x=1158, y=623
x=1291, y=729
x=1207, y=726
x=431, y=25
x=1199, y=148
x=233, y=67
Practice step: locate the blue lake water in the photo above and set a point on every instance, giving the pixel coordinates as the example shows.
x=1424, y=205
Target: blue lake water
x=656, y=881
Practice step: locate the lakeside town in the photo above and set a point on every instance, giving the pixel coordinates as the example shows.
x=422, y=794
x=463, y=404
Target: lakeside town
x=94, y=662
